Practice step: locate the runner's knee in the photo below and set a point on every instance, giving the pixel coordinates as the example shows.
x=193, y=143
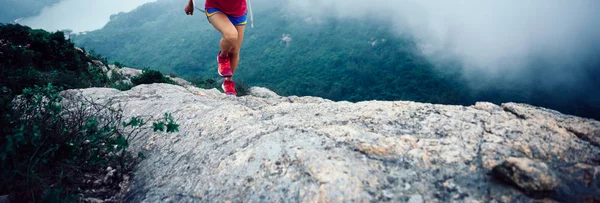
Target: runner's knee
x=230, y=37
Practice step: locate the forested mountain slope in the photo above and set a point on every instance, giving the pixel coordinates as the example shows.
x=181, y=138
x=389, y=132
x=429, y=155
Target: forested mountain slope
x=294, y=53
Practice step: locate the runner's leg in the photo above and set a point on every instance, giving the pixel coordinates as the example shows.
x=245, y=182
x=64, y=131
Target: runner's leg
x=229, y=32
x=235, y=51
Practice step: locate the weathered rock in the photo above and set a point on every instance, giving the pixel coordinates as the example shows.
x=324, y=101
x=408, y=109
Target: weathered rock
x=130, y=72
x=113, y=70
x=579, y=182
x=126, y=74
x=580, y=127
x=113, y=67
x=531, y=176
x=98, y=64
x=110, y=74
x=314, y=150
x=179, y=81
x=125, y=82
x=583, y=174
x=262, y=92
x=80, y=50
x=415, y=199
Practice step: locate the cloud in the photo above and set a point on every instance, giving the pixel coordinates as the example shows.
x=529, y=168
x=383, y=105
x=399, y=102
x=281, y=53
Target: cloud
x=500, y=38
x=80, y=15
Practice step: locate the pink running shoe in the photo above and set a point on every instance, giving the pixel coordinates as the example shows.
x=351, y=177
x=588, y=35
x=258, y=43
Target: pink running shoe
x=229, y=87
x=224, y=65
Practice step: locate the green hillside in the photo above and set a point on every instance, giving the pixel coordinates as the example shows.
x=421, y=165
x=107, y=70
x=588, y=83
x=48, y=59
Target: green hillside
x=338, y=59
x=317, y=62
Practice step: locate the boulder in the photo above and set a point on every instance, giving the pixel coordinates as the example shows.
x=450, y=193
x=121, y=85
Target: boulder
x=262, y=92
x=130, y=72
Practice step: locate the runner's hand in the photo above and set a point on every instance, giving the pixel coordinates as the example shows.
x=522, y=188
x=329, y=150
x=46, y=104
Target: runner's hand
x=189, y=8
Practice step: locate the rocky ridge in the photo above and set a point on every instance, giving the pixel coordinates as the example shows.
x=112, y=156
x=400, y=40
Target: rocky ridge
x=268, y=148
x=123, y=75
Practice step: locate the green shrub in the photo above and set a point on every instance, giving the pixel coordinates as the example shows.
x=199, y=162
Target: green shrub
x=51, y=149
x=206, y=83
x=54, y=149
x=118, y=81
x=119, y=64
x=36, y=57
x=123, y=86
x=150, y=77
x=92, y=55
x=241, y=88
x=96, y=77
x=172, y=74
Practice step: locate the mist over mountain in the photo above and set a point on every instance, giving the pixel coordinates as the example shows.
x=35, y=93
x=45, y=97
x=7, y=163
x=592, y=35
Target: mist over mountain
x=541, y=46
x=423, y=51
x=79, y=15
x=11, y=10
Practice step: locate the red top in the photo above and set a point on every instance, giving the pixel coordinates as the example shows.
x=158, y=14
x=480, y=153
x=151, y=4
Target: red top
x=235, y=8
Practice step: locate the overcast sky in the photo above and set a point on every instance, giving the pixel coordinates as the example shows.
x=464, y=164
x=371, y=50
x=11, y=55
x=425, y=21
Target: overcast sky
x=80, y=15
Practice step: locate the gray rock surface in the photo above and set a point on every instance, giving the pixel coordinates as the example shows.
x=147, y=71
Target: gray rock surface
x=179, y=81
x=531, y=176
x=112, y=71
x=130, y=72
x=98, y=64
x=288, y=149
x=262, y=92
